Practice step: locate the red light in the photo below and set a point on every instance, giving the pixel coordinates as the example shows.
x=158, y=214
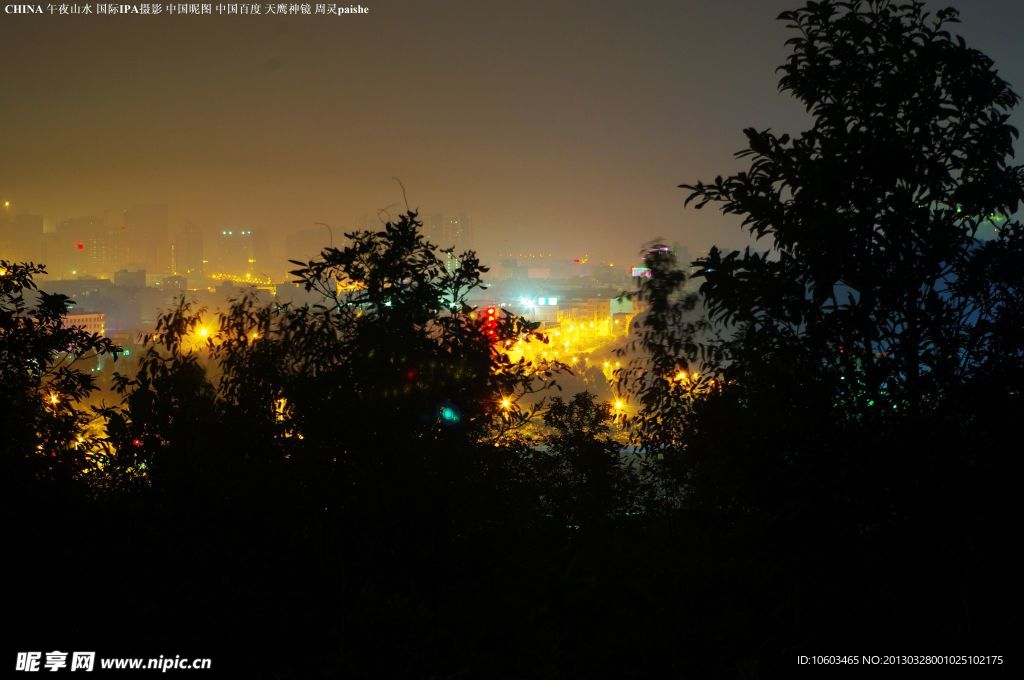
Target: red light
x=489, y=324
x=80, y=246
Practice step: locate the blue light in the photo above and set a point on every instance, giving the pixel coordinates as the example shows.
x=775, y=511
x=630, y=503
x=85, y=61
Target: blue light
x=448, y=414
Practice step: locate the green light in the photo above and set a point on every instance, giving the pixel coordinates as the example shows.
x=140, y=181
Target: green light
x=449, y=415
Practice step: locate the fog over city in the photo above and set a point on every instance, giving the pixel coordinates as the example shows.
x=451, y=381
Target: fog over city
x=555, y=127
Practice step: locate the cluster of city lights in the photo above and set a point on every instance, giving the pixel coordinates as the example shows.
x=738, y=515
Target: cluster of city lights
x=248, y=278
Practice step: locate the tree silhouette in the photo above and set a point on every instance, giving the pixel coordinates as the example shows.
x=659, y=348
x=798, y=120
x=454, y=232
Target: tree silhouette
x=586, y=479
x=873, y=215
x=857, y=372
x=45, y=381
x=393, y=354
x=375, y=435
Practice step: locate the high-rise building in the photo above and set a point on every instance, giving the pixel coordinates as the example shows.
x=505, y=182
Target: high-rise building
x=459, y=230
x=20, y=235
x=187, y=252
x=130, y=278
x=146, y=238
x=78, y=247
x=447, y=231
x=239, y=253
x=174, y=284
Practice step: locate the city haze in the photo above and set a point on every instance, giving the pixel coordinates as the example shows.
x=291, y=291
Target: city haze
x=556, y=127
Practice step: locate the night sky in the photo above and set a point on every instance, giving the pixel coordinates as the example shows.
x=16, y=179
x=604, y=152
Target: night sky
x=558, y=126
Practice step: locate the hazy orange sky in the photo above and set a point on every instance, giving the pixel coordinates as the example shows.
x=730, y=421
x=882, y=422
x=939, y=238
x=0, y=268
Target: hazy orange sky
x=562, y=126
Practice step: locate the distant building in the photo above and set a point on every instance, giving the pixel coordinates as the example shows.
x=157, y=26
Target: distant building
x=640, y=272
x=77, y=247
x=81, y=290
x=177, y=284
x=146, y=238
x=609, y=274
x=448, y=231
x=238, y=253
x=91, y=322
x=20, y=236
x=187, y=253
x=545, y=310
x=130, y=279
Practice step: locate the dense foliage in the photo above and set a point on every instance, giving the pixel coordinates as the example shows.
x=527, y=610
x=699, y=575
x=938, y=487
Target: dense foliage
x=43, y=372
x=859, y=378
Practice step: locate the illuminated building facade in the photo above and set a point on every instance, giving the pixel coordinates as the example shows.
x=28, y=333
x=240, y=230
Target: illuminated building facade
x=90, y=322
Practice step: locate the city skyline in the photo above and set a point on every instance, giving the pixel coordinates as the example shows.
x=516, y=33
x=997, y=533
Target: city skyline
x=558, y=128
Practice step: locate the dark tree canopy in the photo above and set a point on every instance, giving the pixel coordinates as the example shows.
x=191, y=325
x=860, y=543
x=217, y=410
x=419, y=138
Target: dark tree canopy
x=44, y=378
x=859, y=375
x=887, y=280
x=873, y=216
x=390, y=371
